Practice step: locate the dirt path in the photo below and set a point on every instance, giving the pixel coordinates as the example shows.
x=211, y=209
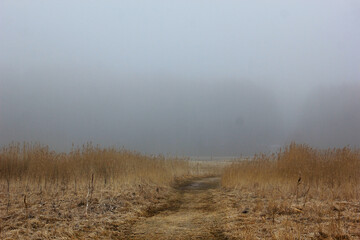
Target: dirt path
x=190, y=214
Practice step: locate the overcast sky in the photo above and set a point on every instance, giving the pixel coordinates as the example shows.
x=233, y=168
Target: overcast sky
x=180, y=77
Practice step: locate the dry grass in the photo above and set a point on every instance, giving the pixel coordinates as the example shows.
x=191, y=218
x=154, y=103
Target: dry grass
x=91, y=192
x=34, y=163
x=298, y=193
x=108, y=193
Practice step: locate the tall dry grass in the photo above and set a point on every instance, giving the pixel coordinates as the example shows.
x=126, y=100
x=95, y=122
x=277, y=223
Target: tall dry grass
x=300, y=170
x=82, y=194
x=36, y=164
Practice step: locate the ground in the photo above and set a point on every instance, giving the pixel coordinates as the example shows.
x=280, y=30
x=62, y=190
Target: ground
x=191, y=214
x=201, y=209
x=195, y=208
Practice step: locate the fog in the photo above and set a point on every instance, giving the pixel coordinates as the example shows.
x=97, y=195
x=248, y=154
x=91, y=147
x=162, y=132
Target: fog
x=197, y=78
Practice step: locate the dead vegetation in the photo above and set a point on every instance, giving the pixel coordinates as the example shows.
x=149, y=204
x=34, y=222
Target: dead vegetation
x=91, y=192
x=108, y=193
x=191, y=214
x=298, y=193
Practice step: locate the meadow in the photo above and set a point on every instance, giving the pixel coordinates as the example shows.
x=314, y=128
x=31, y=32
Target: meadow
x=108, y=193
x=297, y=193
x=45, y=194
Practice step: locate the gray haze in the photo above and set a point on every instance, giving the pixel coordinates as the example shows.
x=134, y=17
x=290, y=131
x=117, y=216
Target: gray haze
x=180, y=77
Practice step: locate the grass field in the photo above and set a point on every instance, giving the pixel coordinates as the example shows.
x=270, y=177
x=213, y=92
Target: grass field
x=108, y=193
x=298, y=193
x=45, y=194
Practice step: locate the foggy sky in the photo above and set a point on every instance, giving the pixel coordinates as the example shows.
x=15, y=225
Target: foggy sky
x=180, y=77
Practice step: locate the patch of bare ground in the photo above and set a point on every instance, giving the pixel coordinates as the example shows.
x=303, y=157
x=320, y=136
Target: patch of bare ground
x=191, y=213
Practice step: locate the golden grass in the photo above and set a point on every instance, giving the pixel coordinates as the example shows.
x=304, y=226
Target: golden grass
x=35, y=163
x=333, y=173
x=90, y=192
x=106, y=193
x=298, y=193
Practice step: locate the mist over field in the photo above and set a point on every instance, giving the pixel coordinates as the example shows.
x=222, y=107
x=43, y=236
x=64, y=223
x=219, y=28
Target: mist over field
x=182, y=77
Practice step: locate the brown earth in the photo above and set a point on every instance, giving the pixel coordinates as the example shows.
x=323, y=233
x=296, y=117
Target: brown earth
x=191, y=213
